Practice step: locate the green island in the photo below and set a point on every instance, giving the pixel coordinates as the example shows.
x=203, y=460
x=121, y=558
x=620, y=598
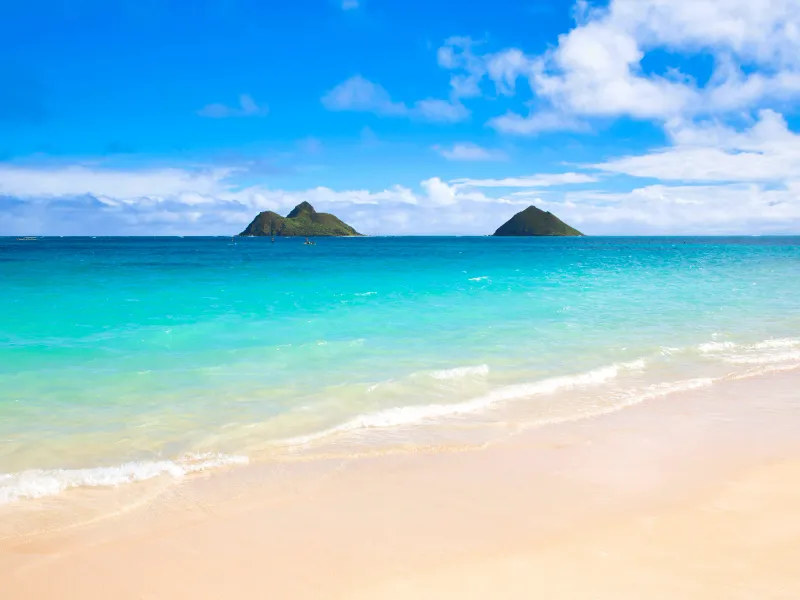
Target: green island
x=303, y=221
x=536, y=222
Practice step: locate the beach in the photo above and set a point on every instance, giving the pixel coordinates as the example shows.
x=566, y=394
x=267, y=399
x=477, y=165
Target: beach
x=693, y=495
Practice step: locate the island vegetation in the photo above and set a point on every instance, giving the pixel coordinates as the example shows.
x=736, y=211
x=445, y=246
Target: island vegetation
x=303, y=221
x=536, y=222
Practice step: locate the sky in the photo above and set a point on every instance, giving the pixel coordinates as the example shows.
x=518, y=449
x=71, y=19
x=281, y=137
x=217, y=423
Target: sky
x=421, y=117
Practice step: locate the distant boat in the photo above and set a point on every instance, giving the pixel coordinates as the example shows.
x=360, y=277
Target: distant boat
x=27, y=238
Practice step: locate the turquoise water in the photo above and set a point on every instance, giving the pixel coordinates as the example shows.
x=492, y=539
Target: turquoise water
x=129, y=358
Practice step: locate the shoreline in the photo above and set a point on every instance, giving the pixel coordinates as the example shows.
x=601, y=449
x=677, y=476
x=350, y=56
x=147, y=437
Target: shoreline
x=482, y=410
x=640, y=482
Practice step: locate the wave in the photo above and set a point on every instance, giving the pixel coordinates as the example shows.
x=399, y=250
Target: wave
x=712, y=347
x=764, y=359
x=459, y=372
x=777, y=343
x=658, y=390
x=479, y=278
x=40, y=483
x=413, y=415
x=746, y=354
x=454, y=373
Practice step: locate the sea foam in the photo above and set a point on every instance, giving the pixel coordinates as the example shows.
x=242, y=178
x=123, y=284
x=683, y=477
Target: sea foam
x=716, y=347
x=764, y=359
x=459, y=372
x=712, y=347
x=413, y=415
x=40, y=483
x=757, y=353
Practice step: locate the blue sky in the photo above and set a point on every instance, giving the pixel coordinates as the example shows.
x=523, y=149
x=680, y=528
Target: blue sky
x=421, y=117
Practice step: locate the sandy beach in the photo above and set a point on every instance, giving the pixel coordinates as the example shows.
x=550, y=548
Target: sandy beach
x=694, y=495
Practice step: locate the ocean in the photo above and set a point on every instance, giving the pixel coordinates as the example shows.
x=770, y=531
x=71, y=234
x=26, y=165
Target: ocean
x=129, y=359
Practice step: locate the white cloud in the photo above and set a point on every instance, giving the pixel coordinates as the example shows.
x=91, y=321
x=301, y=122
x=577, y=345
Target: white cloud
x=536, y=122
x=697, y=209
x=596, y=69
x=504, y=68
x=247, y=108
x=169, y=201
x=361, y=95
x=84, y=200
x=456, y=55
x=529, y=181
x=766, y=152
x=762, y=32
x=102, y=183
x=178, y=186
x=468, y=151
x=350, y=4
x=439, y=192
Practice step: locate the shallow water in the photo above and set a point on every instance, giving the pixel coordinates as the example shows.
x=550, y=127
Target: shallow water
x=125, y=359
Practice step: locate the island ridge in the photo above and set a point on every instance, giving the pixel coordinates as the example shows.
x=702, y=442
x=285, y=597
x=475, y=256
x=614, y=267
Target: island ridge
x=303, y=221
x=533, y=222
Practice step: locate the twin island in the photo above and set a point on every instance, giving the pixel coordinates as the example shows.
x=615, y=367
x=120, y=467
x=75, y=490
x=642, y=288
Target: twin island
x=304, y=221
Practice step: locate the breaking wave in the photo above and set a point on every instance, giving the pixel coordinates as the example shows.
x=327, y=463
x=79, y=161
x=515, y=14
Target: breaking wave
x=459, y=372
x=411, y=415
x=40, y=483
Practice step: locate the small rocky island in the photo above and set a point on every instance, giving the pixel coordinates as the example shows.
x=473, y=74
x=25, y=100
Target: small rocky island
x=303, y=221
x=533, y=221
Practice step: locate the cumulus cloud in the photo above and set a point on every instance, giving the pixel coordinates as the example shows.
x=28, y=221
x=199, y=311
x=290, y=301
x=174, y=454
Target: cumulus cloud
x=503, y=68
x=247, y=108
x=725, y=209
x=468, y=151
x=766, y=152
x=89, y=201
x=183, y=186
x=120, y=185
x=456, y=55
x=358, y=94
x=506, y=67
x=597, y=69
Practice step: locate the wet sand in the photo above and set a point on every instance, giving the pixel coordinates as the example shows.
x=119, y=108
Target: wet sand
x=695, y=495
